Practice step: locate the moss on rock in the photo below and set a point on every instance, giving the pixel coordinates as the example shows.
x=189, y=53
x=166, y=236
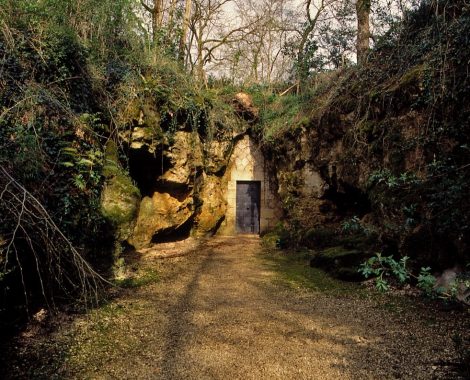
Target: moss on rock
x=120, y=198
x=340, y=262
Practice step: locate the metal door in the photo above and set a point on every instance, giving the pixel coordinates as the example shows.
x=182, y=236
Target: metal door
x=248, y=207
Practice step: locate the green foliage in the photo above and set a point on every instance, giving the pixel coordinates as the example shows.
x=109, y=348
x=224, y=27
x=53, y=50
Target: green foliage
x=399, y=127
x=447, y=195
x=76, y=75
x=282, y=236
x=420, y=75
x=50, y=144
x=107, y=29
x=294, y=271
x=382, y=268
x=426, y=281
x=163, y=99
x=386, y=178
x=279, y=114
x=353, y=226
x=146, y=277
x=84, y=166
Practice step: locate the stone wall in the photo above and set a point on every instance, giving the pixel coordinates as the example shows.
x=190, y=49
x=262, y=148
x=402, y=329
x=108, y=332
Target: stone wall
x=247, y=164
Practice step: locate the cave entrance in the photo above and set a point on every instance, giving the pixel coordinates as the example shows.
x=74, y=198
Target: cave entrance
x=248, y=207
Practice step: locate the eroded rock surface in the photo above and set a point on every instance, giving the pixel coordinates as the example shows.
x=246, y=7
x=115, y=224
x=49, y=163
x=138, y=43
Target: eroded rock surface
x=185, y=159
x=244, y=106
x=159, y=215
x=179, y=160
x=214, y=206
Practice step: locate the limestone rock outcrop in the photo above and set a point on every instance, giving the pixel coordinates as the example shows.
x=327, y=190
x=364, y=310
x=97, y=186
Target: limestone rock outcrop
x=214, y=205
x=160, y=215
x=179, y=160
x=185, y=159
x=216, y=154
x=143, y=137
x=244, y=107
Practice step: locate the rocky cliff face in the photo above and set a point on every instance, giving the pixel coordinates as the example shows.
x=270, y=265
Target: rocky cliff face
x=176, y=171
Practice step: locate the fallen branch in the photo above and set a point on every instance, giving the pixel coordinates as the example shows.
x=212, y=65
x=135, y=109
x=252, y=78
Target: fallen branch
x=289, y=89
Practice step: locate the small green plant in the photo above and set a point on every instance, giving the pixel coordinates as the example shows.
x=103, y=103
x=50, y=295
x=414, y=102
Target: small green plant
x=354, y=226
x=148, y=276
x=427, y=282
x=411, y=215
x=283, y=237
x=383, y=267
x=391, y=181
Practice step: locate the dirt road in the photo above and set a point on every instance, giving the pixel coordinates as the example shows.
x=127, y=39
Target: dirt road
x=222, y=313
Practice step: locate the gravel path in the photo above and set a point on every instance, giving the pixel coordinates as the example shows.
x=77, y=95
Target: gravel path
x=220, y=314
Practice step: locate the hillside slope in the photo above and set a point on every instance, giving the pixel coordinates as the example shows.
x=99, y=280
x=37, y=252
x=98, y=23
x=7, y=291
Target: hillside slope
x=385, y=146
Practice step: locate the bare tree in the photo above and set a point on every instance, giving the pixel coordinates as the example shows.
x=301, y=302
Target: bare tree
x=315, y=13
x=171, y=18
x=209, y=33
x=260, y=57
x=261, y=41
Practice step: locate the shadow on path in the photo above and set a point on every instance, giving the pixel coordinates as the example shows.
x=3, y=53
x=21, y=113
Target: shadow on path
x=179, y=327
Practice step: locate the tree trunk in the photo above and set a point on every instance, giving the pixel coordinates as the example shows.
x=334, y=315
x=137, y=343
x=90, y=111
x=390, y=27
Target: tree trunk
x=363, y=30
x=200, y=59
x=157, y=18
x=156, y=13
x=159, y=12
x=302, y=69
x=171, y=18
x=154, y=26
x=184, y=32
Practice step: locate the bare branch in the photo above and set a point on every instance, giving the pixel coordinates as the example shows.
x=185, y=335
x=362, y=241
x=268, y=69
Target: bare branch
x=59, y=258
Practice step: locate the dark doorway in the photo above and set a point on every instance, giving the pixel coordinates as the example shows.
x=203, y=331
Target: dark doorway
x=248, y=207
